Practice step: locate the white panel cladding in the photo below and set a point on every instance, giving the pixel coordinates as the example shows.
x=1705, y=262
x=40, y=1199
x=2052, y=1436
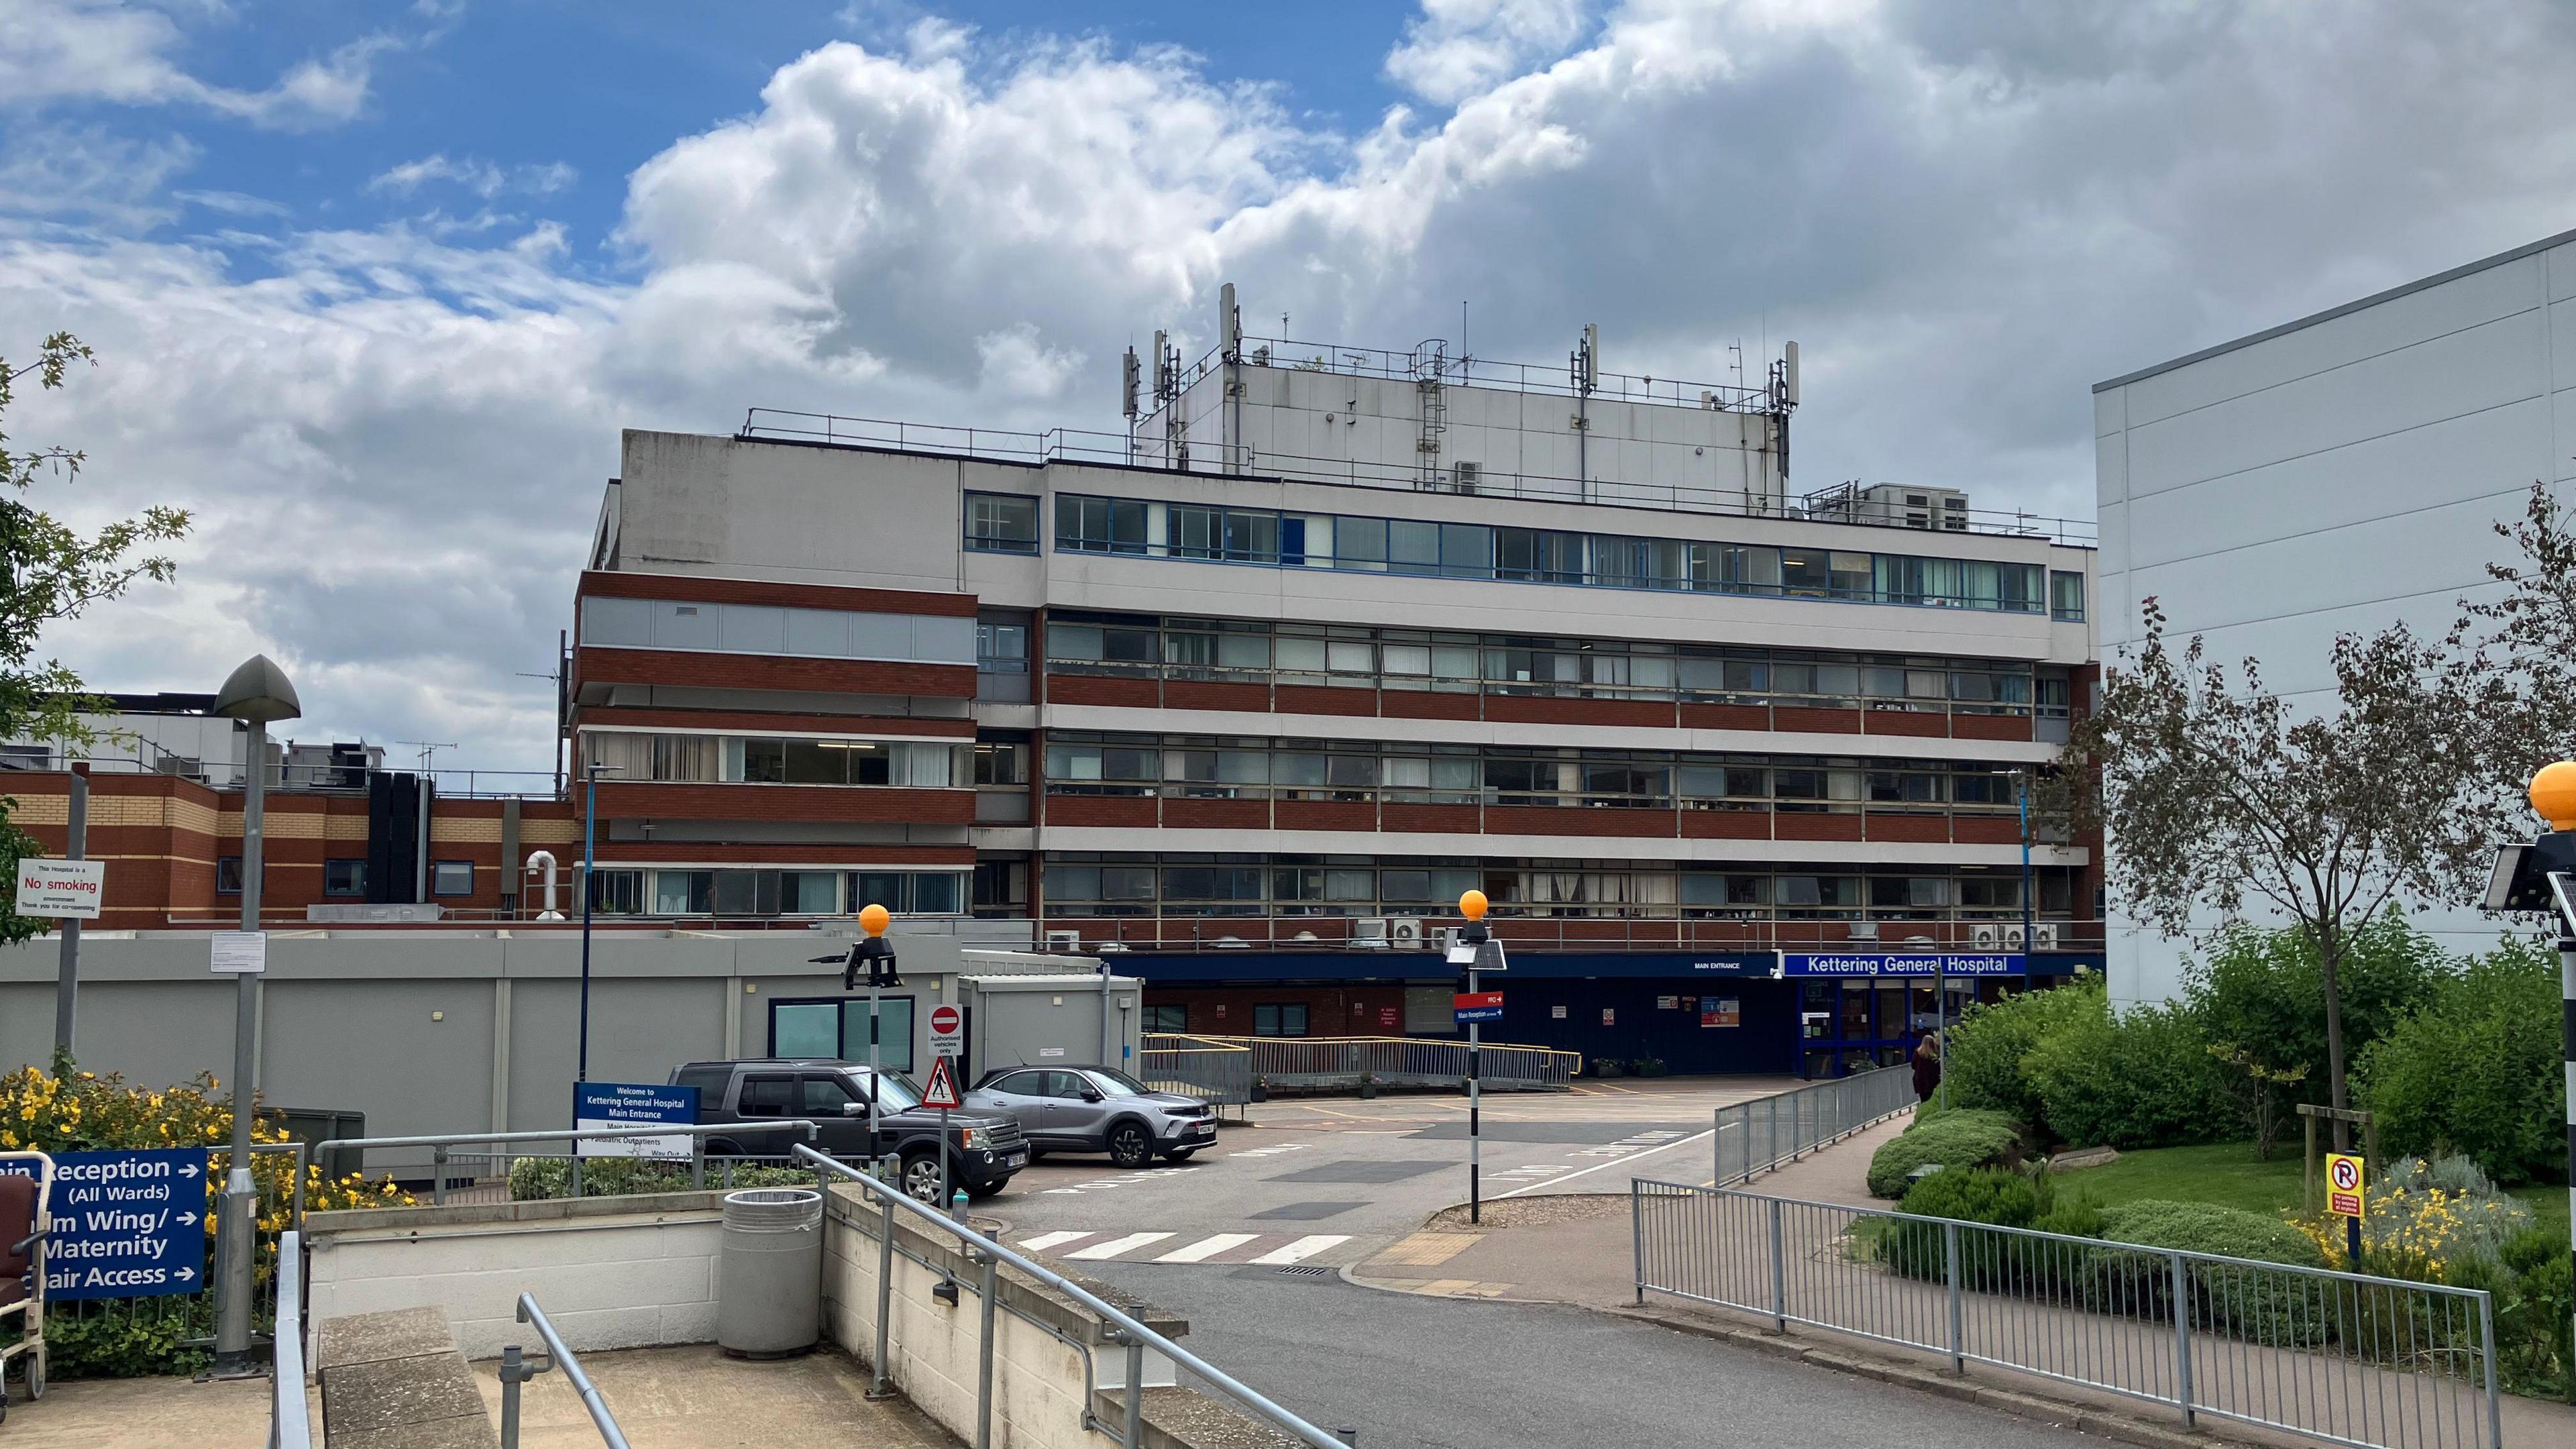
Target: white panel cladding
x=766, y=629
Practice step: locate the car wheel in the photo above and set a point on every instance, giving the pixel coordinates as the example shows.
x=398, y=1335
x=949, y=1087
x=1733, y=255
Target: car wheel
x=921, y=1178
x=1130, y=1145
x=1180, y=1154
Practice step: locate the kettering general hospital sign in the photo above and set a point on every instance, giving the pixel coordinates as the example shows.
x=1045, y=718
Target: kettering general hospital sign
x=1912, y=963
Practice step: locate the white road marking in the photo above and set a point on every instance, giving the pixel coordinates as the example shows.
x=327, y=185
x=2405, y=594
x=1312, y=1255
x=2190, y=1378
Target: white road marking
x=1305, y=1247
x=1207, y=1247
x=1098, y=1252
x=1044, y=1241
x=1596, y=1167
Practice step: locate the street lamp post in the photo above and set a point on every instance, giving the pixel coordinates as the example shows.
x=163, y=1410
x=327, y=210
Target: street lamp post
x=2541, y=878
x=257, y=694
x=1474, y=941
x=875, y=954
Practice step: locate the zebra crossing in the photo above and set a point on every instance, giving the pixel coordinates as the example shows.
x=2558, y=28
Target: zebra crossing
x=1274, y=1250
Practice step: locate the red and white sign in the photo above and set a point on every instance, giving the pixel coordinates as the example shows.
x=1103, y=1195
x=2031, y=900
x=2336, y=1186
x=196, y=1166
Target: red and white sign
x=941, y=1090
x=947, y=1031
x=64, y=889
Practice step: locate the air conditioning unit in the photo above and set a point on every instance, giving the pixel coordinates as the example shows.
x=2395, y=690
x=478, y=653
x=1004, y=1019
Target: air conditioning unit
x=2012, y=938
x=2044, y=936
x=1064, y=940
x=1404, y=933
x=1368, y=933
x=1864, y=930
x=1986, y=937
x=1464, y=477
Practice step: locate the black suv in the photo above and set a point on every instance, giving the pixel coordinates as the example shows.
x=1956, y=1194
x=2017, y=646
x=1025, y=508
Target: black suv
x=984, y=1149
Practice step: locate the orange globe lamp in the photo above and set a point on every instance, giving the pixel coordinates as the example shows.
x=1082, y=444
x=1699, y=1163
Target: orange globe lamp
x=2553, y=794
x=874, y=919
x=1473, y=904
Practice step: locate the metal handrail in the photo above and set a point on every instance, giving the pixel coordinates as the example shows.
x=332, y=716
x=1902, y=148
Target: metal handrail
x=586, y=1134
x=560, y=1356
x=1818, y=1113
x=290, y=1417
x=1132, y=1331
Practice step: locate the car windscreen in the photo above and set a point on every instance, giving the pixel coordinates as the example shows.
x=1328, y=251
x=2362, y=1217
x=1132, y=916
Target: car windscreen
x=1117, y=1084
x=899, y=1094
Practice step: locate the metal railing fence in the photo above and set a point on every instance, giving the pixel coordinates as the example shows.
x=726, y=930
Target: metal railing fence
x=517, y=1369
x=2375, y=1363
x=290, y=1416
x=1215, y=1071
x=442, y=1155
x=1130, y=1333
x=1761, y=1134
x=1342, y=1061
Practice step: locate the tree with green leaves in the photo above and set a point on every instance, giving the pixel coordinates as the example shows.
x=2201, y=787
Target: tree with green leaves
x=54, y=572
x=2524, y=653
x=2219, y=795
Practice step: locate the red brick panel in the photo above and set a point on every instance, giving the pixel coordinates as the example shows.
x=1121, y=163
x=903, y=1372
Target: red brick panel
x=1792, y=825
x=773, y=671
x=1216, y=814
x=1549, y=709
x=1423, y=704
x=1126, y=810
x=1907, y=722
x=1990, y=726
x=1101, y=689
x=647, y=852
x=1986, y=830
x=750, y=722
x=1323, y=699
x=624, y=801
x=1804, y=720
x=1214, y=694
x=1726, y=825
x=692, y=588
x=1915, y=829
x=1577, y=820
x=1725, y=717
x=1441, y=819
x=1326, y=815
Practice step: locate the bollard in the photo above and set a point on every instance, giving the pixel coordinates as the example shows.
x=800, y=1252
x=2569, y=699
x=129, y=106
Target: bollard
x=957, y=1205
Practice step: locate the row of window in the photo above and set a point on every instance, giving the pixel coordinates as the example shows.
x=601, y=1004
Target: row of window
x=348, y=878
x=762, y=892
x=1188, y=767
x=768, y=629
x=1253, y=885
x=1397, y=659
x=739, y=759
x=1208, y=533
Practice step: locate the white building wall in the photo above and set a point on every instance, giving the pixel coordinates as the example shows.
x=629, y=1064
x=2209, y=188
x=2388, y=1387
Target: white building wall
x=2333, y=476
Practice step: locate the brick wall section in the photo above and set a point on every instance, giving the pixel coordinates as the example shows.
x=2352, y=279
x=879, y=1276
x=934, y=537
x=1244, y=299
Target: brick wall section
x=1905, y=722
x=753, y=722
x=1128, y=810
x=1216, y=814
x=851, y=803
x=697, y=589
x=771, y=671
x=1912, y=829
x=1101, y=689
x=1421, y=704
x=647, y=852
x=1549, y=709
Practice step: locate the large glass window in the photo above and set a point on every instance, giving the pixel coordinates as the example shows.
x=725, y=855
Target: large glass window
x=1099, y=525
x=2066, y=597
x=1001, y=523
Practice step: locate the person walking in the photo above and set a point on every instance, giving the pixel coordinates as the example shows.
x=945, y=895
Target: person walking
x=1927, y=1067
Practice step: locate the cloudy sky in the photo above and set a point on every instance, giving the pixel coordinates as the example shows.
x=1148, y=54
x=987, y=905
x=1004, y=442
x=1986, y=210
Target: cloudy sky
x=375, y=285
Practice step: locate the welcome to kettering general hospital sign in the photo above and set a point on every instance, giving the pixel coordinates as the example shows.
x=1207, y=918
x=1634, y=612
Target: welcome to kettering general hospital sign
x=1908, y=963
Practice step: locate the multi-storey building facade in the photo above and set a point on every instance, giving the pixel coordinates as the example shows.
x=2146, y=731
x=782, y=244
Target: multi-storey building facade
x=1255, y=691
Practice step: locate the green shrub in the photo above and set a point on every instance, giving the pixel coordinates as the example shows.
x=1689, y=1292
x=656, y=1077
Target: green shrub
x=537, y=1178
x=2534, y=1308
x=2272, y=1308
x=2072, y=1217
x=1982, y=1059
x=2264, y=990
x=1957, y=1139
x=2476, y=1069
x=2136, y=1078
x=1983, y=1195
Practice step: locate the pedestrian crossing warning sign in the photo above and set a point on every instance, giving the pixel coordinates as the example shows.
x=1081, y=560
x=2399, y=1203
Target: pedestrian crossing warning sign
x=2346, y=1184
x=941, y=1090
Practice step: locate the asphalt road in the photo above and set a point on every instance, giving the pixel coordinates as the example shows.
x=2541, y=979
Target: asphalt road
x=1331, y=1181
x=1445, y=1373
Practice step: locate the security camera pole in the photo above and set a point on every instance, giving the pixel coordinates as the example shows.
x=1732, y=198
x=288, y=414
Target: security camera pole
x=1476, y=949
x=2541, y=878
x=878, y=956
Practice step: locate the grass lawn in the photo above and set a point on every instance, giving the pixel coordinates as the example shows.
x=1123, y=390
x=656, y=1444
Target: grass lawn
x=2228, y=1173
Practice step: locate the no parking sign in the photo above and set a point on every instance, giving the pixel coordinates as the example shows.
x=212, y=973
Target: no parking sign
x=2346, y=1184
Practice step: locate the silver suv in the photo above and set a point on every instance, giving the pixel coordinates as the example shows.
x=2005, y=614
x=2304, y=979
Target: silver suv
x=1096, y=1109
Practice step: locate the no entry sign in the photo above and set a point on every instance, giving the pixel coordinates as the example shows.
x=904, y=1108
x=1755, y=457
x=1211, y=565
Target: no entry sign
x=947, y=1031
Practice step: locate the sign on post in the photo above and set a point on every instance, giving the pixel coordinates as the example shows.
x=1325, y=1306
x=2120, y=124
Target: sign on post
x=633, y=1104
x=240, y=953
x=67, y=890
x=2347, y=1184
x=126, y=1224
x=1477, y=1006
x=941, y=1090
x=947, y=1031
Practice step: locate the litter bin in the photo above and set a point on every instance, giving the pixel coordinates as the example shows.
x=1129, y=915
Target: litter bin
x=769, y=1299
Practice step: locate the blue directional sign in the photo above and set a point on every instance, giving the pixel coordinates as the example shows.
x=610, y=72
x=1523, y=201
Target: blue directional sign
x=632, y=1105
x=126, y=1224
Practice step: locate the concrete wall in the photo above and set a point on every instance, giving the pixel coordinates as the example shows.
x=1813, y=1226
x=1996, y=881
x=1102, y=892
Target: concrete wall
x=2338, y=475
x=443, y=1031
x=620, y=1272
